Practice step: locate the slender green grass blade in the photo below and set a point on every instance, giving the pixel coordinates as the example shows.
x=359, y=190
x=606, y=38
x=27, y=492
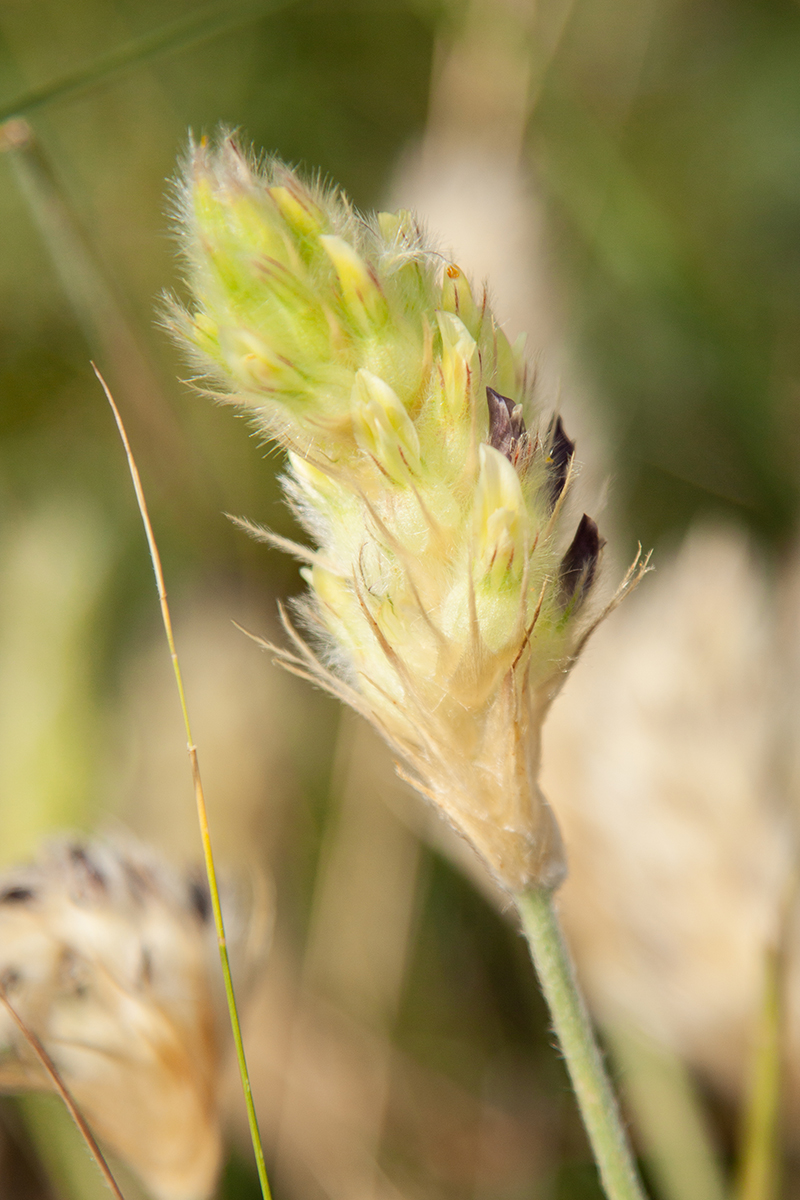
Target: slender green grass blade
x=202, y=815
x=668, y=1118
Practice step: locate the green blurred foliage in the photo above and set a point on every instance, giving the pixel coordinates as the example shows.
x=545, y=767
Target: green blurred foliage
x=666, y=138
x=342, y=87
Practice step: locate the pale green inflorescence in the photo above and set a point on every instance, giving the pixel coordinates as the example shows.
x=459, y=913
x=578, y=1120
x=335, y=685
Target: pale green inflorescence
x=444, y=593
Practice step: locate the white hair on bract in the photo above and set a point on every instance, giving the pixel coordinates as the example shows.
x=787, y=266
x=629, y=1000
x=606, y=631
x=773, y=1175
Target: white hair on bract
x=105, y=955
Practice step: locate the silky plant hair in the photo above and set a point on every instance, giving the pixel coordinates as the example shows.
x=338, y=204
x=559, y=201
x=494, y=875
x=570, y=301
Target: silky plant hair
x=448, y=590
x=106, y=955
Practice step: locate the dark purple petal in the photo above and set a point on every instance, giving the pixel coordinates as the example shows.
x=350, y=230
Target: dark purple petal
x=562, y=449
x=507, y=431
x=579, y=564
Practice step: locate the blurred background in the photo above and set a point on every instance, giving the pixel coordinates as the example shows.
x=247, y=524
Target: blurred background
x=627, y=174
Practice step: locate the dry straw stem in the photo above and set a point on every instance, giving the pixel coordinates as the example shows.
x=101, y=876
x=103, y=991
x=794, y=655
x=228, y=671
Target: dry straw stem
x=202, y=815
x=63, y=1091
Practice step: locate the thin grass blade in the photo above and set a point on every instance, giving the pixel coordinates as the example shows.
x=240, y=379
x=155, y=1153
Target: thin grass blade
x=668, y=1119
x=200, y=25
x=202, y=814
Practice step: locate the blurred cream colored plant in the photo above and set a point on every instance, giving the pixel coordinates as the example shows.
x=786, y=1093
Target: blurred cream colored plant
x=105, y=956
x=681, y=718
x=447, y=601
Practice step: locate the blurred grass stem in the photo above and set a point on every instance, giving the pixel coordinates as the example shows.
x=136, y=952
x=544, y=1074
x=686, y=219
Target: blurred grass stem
x=759, y=1169
x=199, y=26
x=202, y=814
x=96, y=304
x=590, y=1082
x=668, y=1117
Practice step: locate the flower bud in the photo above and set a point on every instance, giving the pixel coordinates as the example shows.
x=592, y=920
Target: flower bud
x=457, y=299
x=298, y=209
x=459, y=364
x=500, y=519
x=360, y=291
x=383, y=427
x=399, y=228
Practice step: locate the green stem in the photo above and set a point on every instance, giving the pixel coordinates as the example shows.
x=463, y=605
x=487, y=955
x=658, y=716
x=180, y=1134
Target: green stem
x=571, y=1021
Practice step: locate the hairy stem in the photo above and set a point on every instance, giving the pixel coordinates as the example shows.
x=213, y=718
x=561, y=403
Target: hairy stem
x=590, y=1082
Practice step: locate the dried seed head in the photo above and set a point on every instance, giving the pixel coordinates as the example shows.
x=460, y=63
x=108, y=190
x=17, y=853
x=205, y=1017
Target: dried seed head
x=439, y=585
x=105, y=955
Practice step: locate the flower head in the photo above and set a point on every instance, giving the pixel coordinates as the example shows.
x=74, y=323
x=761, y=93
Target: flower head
x=105, y=956
x=444, y=591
